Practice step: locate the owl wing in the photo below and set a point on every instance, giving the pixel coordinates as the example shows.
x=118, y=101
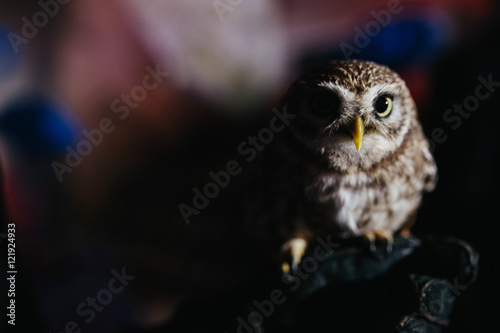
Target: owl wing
x=430, y=170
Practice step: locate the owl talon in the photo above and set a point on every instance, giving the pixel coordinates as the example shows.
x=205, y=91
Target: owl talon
x=293, y=251
x=379, y=239
x=285, y=267
x=370, y=238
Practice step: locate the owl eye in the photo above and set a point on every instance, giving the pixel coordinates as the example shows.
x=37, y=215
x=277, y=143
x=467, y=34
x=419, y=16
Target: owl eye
x=383, y=106
x=325, y=103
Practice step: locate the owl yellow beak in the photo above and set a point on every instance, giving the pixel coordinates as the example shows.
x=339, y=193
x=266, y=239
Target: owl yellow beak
x=357, y=132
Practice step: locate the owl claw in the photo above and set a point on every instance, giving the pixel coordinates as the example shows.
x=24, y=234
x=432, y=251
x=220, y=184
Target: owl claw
x=285, y=267
x=293, y=251
x=379, y=239
x=370, y=238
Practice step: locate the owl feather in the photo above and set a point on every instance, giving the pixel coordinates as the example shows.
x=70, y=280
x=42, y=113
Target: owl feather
x=354, y=162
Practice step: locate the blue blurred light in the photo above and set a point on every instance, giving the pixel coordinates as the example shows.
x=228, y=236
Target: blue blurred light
x=55, y=129
x=37, y=125
x=397, y=41
x=408, y=40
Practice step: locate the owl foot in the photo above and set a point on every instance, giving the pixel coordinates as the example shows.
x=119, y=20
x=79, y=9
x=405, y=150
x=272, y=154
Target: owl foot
x=379, y=239
x=293, y=251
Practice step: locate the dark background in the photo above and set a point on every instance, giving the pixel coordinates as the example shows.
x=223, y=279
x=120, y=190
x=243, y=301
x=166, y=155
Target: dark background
x=119, y=208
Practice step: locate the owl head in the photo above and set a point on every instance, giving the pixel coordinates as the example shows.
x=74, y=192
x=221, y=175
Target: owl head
x=352, y=114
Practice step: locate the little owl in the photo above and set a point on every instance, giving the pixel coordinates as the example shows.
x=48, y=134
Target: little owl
x=353, y=162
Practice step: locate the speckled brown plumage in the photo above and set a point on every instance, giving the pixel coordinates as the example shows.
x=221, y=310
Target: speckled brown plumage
x=319, y=183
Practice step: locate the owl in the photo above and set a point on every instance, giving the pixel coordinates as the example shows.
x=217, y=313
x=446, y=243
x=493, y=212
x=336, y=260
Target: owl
x=353, y=162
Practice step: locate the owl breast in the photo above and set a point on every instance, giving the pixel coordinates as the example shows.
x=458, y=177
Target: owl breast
x=353, y=204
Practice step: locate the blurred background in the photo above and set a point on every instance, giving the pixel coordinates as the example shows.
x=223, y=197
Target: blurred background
x=111, y=112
